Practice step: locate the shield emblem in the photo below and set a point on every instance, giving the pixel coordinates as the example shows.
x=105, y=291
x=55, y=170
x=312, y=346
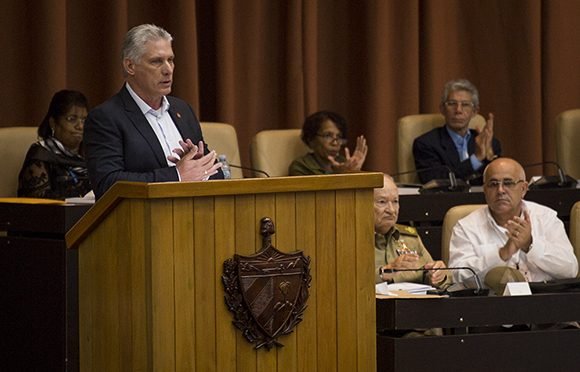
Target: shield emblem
x=270, y=284
x=267, y=293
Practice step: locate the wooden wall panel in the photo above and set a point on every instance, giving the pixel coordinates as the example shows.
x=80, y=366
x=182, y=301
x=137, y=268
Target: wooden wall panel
x=265, y=207
x=365, y=300
x=285, y=219
x=101, y=316
x=245, y=216
x=185, y=309
x=162, y=285
x=346, y=286
x=325, y=271
x=205, y=283
x=138, y=245
x=306, y=332
x=225, y=245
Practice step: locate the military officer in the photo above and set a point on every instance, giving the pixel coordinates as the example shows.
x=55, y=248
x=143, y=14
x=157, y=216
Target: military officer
x=400, y=247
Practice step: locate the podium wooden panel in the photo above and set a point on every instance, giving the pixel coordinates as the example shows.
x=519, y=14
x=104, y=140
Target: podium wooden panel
x=150, y=265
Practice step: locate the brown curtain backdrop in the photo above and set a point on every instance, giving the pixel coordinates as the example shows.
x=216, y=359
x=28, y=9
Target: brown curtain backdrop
x=266, y=64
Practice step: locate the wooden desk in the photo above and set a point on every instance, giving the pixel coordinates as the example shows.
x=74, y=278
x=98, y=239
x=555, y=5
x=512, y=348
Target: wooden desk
x=38, y=320
x=426, y=211
x=459, y=350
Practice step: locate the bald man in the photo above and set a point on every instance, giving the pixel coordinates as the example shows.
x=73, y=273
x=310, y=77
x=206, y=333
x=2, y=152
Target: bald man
x=399, y=246
x=511, y=231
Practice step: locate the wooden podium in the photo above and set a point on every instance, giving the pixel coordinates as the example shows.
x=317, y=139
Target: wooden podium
x=150, y=265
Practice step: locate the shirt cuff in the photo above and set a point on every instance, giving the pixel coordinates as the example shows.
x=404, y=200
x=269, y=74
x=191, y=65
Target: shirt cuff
x=475, y=163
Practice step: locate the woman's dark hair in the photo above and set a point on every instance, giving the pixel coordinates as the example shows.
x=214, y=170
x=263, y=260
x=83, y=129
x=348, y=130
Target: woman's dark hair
x=60, y=103
x=314, y=121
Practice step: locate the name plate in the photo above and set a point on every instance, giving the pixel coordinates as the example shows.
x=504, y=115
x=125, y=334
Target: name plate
x=517, y=289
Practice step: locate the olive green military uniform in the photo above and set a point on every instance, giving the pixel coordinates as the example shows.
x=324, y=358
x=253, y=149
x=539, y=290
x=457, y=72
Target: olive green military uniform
x=397, y=241
x=308, y=165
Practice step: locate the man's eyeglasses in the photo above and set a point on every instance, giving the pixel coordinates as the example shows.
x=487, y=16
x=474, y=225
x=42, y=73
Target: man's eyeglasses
x=507, y=183
x=465, y=105
x=73, y=119
x=331, y=138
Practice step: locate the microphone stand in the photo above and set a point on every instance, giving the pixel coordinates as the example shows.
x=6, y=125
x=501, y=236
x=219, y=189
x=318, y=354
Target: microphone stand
x=249, y=169
x=451, y=184
x=562, y=180
x=456, y=289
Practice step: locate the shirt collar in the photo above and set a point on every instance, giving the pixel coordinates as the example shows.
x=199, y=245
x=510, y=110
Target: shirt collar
x=394, y=232
x=457, y=139
x=144, y=107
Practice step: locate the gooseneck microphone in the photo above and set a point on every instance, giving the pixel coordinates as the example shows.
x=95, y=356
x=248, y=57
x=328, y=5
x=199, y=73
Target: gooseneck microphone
x=250, y=169
x=223, y=159
x=562, y=180
x=451, y=184
x=456, y=289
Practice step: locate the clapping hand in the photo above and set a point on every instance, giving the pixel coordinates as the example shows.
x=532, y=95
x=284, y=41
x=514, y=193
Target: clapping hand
x=352, y=163
x=436, y=277
x=483, y=141
x=191, y=162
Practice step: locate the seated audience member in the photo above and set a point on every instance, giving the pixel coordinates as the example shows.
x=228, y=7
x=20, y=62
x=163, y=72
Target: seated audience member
x=512, y=232
x=399, y=246
x=143, y=134
x=325, y=132
x=464, y=151
x=54, y=166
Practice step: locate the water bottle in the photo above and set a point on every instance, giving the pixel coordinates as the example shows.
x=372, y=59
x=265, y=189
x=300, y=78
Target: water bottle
x=225, y=166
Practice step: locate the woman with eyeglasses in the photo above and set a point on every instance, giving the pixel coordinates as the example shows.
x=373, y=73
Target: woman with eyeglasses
x=324, y=132
x=54, y=166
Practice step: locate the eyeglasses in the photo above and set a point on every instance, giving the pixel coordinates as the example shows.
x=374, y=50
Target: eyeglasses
x=328, y=137
x=73, y=119
x=465, y=105
x=507, y=183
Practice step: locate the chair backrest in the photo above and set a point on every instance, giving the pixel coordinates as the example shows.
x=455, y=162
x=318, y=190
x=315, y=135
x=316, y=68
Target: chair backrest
x=412, y=126
x=453, y=215
x=567, y=138
x=223, y=138
x=273, y=150
x=575, y=229
x=14, y=143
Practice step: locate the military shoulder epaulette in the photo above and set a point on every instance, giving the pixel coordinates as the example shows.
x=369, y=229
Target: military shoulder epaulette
x=407, y=230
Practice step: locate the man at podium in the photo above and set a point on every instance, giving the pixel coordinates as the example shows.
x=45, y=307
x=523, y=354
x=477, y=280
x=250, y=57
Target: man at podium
x=142, y=134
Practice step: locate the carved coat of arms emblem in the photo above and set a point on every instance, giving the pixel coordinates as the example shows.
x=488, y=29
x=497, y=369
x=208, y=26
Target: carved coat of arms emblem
x=267, y=291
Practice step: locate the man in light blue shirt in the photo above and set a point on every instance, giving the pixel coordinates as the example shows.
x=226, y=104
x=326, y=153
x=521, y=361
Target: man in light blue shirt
x=455, y=146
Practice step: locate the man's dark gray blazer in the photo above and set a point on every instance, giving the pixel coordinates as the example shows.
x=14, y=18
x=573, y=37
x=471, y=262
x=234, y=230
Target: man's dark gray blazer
x=435, y=149
x=120, y=144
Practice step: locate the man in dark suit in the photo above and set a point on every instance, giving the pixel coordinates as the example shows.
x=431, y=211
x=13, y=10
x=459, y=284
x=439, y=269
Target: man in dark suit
x=142, y=134
x=464, y=151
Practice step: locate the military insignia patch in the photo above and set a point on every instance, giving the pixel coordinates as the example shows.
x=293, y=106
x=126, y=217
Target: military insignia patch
x=267, y=292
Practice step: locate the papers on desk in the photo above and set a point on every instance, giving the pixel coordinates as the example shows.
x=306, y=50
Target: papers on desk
x=89, y=198
x=411, y=288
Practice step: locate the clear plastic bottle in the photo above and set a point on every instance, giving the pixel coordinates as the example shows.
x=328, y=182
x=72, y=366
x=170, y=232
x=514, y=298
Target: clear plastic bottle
x=225, y=166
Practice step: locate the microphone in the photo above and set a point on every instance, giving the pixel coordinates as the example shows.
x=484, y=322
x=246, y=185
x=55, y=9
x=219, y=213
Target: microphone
x=562, y=180
x=456, y=289
x=223, y=159
x=250, y=169
x=451, y=184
